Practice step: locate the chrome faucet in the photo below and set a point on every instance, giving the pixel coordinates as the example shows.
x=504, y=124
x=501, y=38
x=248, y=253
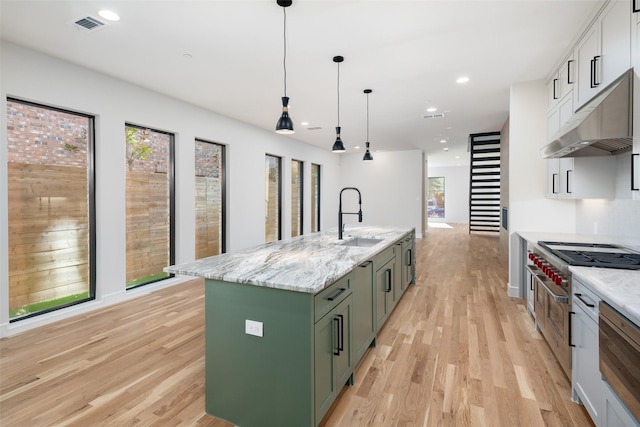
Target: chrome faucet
x=340, y=213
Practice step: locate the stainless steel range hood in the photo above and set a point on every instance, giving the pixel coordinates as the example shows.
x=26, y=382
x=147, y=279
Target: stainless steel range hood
x=601, y=127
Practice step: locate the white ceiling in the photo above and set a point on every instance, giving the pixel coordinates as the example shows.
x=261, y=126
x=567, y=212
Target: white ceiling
x=410, y=54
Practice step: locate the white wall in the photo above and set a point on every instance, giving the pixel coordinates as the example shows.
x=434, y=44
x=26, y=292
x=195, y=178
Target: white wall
x=619, y=217
x=456, y=193
x=39, y=78
x=529, y=210
x=391, y=187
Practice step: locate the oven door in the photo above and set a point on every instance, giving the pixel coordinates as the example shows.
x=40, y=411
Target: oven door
x=552, y=317
x=620, y=356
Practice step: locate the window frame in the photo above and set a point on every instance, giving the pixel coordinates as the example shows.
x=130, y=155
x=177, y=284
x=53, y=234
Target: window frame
x=300, y=195
x=223, y=191
x=91, y=203
x=279, y=188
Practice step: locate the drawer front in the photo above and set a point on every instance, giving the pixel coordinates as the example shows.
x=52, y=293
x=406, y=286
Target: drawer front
x=383, y=257
x=586, y=299
x=327, y=299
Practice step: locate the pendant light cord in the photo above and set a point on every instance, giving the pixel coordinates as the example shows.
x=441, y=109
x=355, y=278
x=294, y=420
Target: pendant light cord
x=338, y=94
x=284, y=61
x=367, y=118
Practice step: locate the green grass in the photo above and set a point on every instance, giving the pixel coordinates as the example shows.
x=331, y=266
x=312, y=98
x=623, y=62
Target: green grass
x=45, y=305
x=146, y=279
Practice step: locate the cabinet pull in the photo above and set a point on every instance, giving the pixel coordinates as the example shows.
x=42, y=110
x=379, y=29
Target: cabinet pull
x=569, y=73
x=555, y=85
x=568, y=191
x=341, y=335
x=596, y=83
x=588, y=304
x=336, y=347
x=409, y=257
x=553, y=183
x=388, y=274
x=570, y=333
x=336, y=295
x=366, y=263
x=633, y=172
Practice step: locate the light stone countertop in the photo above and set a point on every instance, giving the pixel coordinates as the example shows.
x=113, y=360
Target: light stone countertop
x=619, y=288
x=632, y=243
x=306, y=263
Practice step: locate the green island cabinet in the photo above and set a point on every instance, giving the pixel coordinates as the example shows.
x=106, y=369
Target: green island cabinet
x=310, y=343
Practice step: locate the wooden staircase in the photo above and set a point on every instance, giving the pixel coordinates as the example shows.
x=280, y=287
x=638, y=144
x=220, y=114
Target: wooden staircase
x=484, y=185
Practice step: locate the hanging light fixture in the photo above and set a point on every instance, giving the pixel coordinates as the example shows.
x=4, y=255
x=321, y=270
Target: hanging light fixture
x=338, y=146
x=285, y=124
x=367, y=154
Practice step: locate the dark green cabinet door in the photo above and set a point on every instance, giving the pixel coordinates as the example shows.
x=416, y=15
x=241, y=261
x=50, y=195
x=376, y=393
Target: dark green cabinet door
x=398, y=289
x=384, y=291
x=343, y=361
x=324, y=380
x=364, y=323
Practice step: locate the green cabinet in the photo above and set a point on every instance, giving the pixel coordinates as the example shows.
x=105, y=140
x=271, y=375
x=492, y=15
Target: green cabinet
x=333, y=365
x=364, y=322
x=408, y=266
x=384, y=291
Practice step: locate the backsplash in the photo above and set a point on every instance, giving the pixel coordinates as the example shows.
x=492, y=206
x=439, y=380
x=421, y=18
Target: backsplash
x=618, y=217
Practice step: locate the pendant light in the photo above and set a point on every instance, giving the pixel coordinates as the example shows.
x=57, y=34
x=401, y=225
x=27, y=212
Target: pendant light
x=285, y=124
x=367, y=154
x=338, y=146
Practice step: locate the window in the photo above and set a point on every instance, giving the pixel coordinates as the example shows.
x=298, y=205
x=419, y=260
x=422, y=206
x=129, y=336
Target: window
x=315, y=198
x=273, y=172
x=210, y=199
x=150, y=204
x=296, y=197
x=435, y=201
x=51, y=208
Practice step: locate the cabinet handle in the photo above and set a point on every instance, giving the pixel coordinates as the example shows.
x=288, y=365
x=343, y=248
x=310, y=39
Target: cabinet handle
x=553, y=183
x=588, y=304
x=568, y=191
x=388, y=274
x=570, y=313
x=633, y=173
x=366, y=263
x=555, y=85
x=341, y=335
x=336, y=295
x=531, y=282
x=569, y=73
x=336, y=347
x=596, y=83
x=409, y=257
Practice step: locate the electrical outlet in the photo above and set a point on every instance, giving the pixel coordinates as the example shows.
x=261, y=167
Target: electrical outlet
x=251, y=327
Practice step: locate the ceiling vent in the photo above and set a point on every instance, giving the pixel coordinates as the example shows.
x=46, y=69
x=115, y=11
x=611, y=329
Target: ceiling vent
x=89, y=24
x=314, y=128
x=433, y=116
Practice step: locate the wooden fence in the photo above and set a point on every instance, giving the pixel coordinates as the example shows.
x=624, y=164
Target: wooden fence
x=208, y=216
x=147, y=224
x=48, y=233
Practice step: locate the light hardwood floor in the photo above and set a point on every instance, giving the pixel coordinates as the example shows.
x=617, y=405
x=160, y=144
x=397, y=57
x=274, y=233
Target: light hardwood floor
x=457, y=351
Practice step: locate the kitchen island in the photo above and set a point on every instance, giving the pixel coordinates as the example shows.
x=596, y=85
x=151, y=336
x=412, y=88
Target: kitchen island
x=287, y=322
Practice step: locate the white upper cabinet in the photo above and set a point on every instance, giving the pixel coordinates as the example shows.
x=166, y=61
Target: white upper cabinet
x=604, y=53
x=580, y=178
x=560, y=96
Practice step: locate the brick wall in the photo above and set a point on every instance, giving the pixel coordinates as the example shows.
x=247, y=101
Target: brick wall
x=37, y=135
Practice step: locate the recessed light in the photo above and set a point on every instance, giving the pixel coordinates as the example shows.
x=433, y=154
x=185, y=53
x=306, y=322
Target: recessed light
x=457, y=157
x=187, y=56
x=356, y=147
x=445, y=149
x=431, y=109
x=443, y=141
x=109, y=15
x=304, y=123
x=462, y=79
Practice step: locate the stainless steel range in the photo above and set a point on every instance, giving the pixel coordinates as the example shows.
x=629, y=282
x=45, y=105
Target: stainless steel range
x=550, y=281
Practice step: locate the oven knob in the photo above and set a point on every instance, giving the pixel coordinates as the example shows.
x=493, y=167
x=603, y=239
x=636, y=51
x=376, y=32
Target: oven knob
x=553, y=276
x=558, y=280
x=545, y=270
x=531, y=256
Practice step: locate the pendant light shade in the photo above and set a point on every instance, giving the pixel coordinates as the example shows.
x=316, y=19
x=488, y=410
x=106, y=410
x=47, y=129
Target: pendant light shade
x=367, y=154
x=338, y=146
x=285, y=124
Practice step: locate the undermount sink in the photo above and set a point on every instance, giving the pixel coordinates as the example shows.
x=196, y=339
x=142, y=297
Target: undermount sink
x=361, y=242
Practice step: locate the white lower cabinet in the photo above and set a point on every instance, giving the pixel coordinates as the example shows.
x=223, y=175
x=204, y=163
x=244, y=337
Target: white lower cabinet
x=586, y=381
x=614, y=413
